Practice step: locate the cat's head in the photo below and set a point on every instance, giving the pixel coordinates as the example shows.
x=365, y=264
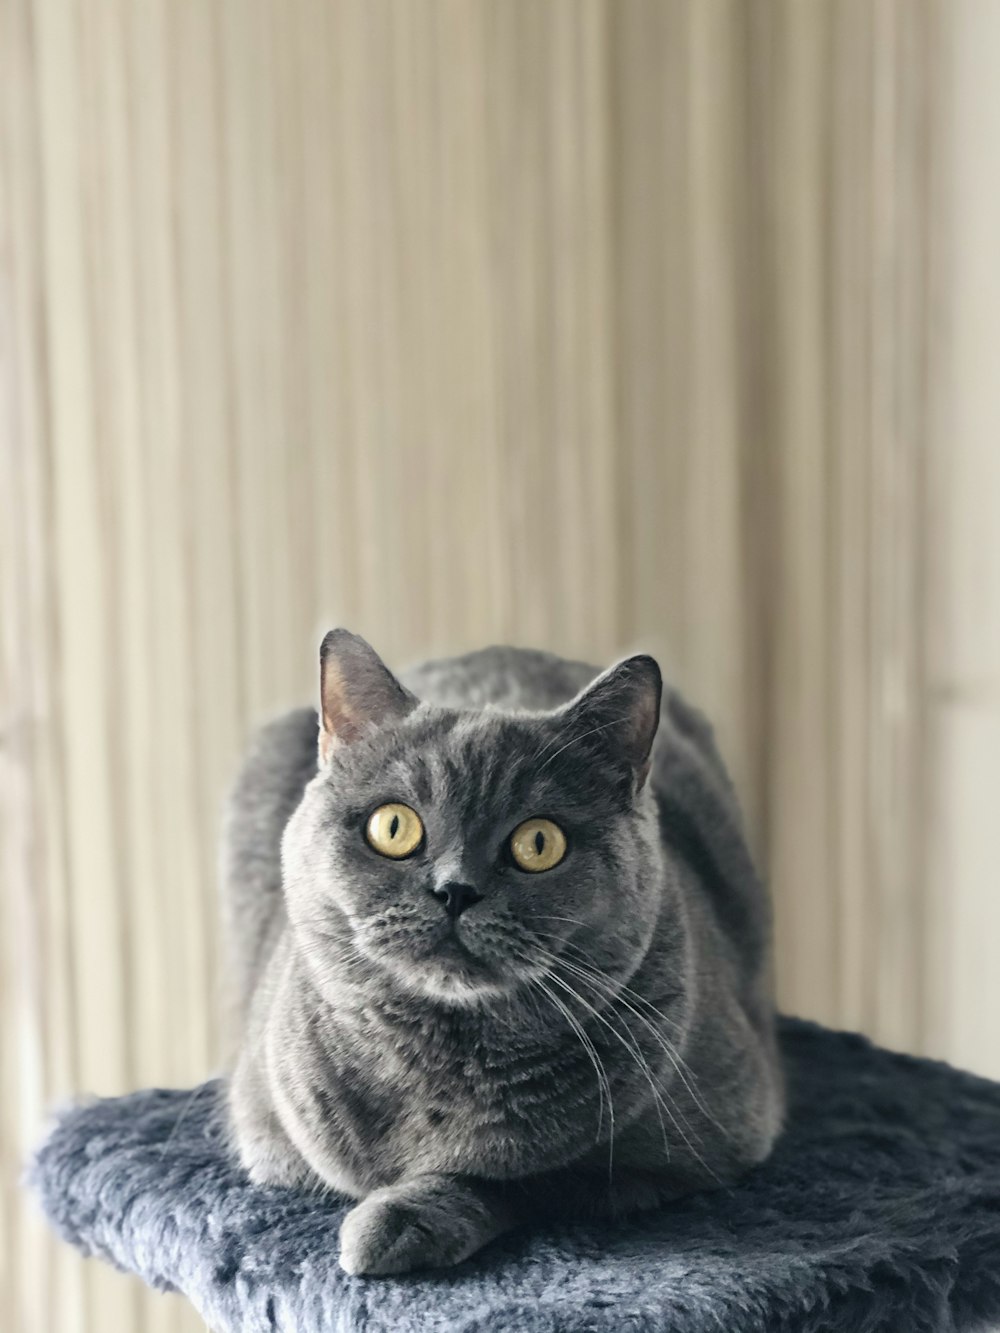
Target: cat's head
x=458, y=851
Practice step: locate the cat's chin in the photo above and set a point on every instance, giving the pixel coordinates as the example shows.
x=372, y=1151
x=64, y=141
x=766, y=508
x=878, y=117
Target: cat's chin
x=454, y=988
x=448, y=970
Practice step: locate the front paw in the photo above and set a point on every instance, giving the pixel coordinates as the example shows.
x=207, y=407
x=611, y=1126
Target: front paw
x=382, y=1235
x=417, y=1224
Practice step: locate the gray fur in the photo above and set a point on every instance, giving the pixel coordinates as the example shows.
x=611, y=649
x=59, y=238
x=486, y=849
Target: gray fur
x=459, y=1091
x=878, y=1212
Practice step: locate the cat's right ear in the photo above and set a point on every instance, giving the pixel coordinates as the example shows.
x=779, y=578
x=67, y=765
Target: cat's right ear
x=358, y=692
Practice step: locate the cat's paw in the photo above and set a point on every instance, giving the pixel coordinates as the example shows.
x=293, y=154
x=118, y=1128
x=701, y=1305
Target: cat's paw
x=408, y=1226
x=382, y=1235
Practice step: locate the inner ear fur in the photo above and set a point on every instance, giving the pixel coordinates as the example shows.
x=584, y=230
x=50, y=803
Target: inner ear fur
x=358, y=692
x=624, y=704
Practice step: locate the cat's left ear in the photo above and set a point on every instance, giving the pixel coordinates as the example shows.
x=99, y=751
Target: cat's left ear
x=623, y=705
x=358, y=692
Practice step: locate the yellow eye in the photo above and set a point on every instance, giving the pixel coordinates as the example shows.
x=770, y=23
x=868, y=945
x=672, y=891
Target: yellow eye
x=395, y=830
x=538, y=844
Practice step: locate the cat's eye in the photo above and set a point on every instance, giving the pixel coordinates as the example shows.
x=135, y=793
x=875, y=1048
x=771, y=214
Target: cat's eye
x=394, y=830
x=537, y=845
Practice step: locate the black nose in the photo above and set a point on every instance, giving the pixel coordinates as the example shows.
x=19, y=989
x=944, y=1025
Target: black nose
x=456, y=897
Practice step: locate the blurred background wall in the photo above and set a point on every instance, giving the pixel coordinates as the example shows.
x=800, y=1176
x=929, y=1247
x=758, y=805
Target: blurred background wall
x=589, y=324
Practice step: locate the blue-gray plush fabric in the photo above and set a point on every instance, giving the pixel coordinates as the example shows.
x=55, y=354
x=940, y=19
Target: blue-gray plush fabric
x=879, y=1210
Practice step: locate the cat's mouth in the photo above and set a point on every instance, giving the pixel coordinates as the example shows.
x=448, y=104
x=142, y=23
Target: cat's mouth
x=449, y=965
x=440, y=959
x=449, y=945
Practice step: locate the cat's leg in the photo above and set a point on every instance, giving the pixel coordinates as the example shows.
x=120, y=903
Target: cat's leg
x=428, y=1221
x=270, y=1158
x=434, y=1221
x=266, y=1152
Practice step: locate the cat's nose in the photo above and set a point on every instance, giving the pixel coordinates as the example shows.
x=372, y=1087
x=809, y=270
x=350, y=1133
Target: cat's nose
x=455, y=897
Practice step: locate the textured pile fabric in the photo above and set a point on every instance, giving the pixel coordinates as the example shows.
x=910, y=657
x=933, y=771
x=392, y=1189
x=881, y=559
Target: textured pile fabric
x=879, y=1210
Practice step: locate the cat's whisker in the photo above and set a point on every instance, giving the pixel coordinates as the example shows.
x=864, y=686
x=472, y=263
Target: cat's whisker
x=632, y=1050
x=616, y=991
x=603, y=1082
x=674, y=1056
x=570, y=920
x=640, y=1060
x=619, y=986
x=679, y=1120
x=575, y=740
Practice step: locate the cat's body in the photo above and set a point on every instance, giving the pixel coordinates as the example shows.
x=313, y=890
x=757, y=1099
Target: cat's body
x=592, y=1039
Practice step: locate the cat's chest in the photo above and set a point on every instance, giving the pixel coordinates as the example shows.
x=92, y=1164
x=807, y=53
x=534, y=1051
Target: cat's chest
x=374, y=1112
x=468, y=1110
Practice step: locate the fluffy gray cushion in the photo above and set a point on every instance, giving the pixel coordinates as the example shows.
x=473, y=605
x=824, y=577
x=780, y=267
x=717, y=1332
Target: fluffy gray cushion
x=880, y=1210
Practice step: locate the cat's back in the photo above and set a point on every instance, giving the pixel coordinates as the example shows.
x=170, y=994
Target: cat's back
x=499, y=677
x=508, y=678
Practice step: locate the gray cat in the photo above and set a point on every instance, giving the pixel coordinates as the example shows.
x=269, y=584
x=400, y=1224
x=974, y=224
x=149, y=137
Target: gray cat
x=500, y=957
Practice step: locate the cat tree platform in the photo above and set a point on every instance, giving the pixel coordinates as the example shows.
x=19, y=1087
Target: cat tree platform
x=879, y=1212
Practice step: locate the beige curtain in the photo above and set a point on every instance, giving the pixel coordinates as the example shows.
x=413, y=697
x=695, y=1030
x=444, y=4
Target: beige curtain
x=581, y=323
